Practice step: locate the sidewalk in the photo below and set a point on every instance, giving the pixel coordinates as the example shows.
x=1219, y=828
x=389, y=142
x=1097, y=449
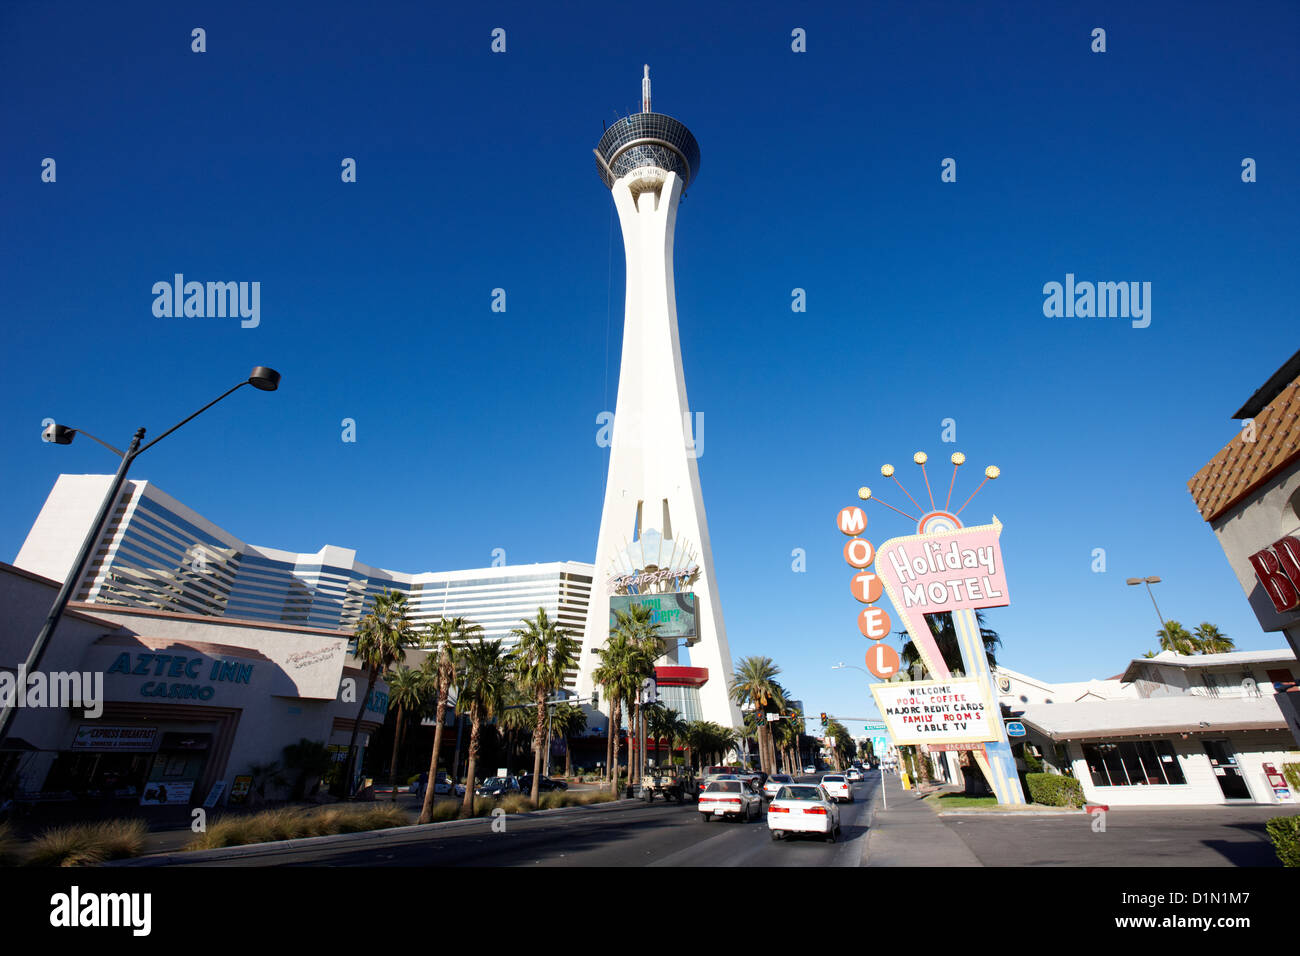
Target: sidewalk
x=911, y=834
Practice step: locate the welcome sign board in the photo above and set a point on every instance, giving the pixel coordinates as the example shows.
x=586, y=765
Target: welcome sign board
x=929, y=712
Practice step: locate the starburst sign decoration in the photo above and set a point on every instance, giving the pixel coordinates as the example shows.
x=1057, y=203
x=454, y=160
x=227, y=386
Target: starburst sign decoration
x=944, y=568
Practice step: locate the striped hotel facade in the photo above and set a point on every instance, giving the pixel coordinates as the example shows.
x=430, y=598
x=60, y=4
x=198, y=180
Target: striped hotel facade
x=157, y=553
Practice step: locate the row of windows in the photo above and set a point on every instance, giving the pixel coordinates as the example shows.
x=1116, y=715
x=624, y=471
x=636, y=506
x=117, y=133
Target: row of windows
x=1138, y=763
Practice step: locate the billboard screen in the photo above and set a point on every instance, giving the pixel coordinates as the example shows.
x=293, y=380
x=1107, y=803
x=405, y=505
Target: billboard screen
x=673, y=612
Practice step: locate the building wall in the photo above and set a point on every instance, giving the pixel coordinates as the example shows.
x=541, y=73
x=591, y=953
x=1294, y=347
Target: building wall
x=1265, y=517
x=1252, y=748
x=284, y=683
x=157, y=553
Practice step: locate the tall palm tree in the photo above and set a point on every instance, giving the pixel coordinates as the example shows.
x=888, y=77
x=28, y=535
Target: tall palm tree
x=754, y=683
x=545, y=652
x=568, y=721
x=408, y=688
x=382, y=636
x=1174, y=637
x=660, y=725
x=484, y=677
x=1210, y=640
x=638, y=627
x=444, y=639
x=613, y=675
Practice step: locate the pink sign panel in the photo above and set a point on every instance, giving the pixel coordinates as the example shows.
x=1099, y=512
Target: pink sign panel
x=944, y=571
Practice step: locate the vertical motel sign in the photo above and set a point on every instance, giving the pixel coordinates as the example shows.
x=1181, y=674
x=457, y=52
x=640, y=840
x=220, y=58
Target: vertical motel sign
x=943, y=568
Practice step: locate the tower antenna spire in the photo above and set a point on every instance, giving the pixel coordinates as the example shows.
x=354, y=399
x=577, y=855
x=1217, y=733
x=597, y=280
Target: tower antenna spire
x=645, y=90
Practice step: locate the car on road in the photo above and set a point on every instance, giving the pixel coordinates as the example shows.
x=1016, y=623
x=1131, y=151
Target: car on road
x=498, y=787
x=706, y=780
x=442, y=785
x=854, y=775
x=546, y=786
x=672, y=783
x=809, y=769
x=837, y=786
x=730, y=798
x=803, y=808
x=775, y=783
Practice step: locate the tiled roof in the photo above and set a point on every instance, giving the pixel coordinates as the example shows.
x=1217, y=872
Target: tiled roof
x=1242, y=466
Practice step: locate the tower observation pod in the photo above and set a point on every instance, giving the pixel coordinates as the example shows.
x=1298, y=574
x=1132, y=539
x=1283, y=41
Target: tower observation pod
x=653, y=547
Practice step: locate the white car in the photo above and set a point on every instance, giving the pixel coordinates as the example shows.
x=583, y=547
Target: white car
x=854, y=775
x=809, y=769
x=837, y=787
x=730, y=798
x=803, y=808
x=775, y=783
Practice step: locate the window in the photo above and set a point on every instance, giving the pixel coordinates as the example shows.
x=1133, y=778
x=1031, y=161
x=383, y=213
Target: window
x=1133, y=763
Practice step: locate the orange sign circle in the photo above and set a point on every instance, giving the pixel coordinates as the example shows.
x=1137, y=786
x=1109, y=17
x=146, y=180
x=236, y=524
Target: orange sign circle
x=882, y=660
x=867, y=587
x=851, y=520
x=874, y=623
x=859, y=552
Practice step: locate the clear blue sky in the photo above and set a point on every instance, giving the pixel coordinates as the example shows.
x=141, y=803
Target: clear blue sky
x=821, y=170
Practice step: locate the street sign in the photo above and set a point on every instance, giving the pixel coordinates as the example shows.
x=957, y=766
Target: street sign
x=1015, y=728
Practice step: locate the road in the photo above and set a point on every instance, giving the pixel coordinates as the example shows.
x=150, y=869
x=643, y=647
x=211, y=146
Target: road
x=617, y=835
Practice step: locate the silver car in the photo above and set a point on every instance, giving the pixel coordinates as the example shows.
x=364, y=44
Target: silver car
x=731, y=798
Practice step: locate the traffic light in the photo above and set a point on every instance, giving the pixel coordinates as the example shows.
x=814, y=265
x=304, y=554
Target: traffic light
x=823, y=718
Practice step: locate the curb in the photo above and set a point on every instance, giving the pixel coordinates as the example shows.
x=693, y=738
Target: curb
x=171, y=858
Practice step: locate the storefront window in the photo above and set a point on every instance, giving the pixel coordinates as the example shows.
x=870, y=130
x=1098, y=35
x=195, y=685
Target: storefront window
x=1133, y=763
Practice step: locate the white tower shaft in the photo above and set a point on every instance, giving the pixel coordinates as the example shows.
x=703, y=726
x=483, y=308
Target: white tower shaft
x=652, y=467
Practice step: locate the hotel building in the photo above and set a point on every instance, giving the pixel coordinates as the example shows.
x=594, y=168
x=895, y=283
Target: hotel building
x=157, y=553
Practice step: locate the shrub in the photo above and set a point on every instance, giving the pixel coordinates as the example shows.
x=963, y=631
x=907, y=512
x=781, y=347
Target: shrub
x=87, y=844
x=1285, y=832
x=516, y=803
x=1054, y=790
x=291, y=824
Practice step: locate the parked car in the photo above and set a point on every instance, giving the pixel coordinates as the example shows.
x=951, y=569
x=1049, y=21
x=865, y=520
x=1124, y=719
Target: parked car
x=837, y=786
x=546, y=786
x=498, y=787
x=730, y=798
x=803, y=808
x=442, y=785
x=775, y=783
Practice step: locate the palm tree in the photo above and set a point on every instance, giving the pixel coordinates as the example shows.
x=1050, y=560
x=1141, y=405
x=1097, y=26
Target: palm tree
x=1210, y=640
x=514, y=720
x=754, y=683
x=382, y=636
x=659, y=719
x=408, y=688
x=484, y=677
x=945, y=635
x=544, y=653
x=1174, y=637
x=444, y=638
x=568, y=721
x=612, y=674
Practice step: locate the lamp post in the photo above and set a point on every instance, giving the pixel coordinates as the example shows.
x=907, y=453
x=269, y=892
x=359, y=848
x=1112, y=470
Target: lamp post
x=1148, y=582
x=265, y=379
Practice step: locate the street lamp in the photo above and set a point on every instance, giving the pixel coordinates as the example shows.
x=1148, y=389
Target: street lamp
x=262, y=378
x=1148, y=582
